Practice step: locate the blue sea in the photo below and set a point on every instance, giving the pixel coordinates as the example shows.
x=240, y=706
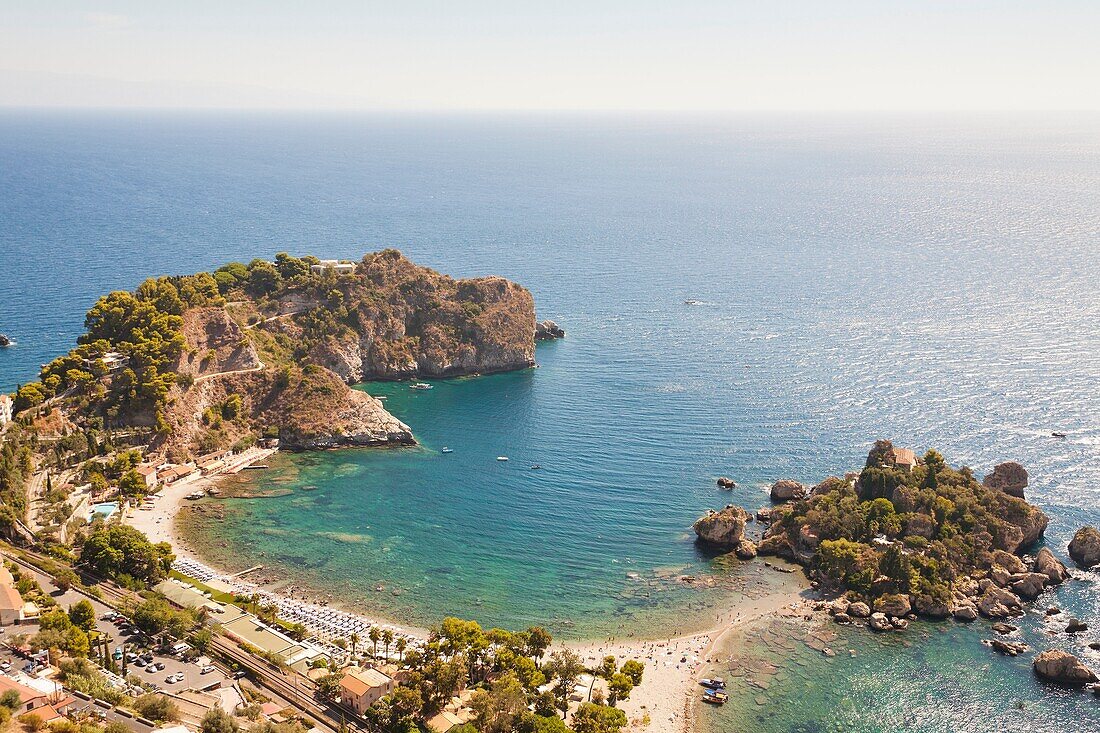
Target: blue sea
x=932, y=280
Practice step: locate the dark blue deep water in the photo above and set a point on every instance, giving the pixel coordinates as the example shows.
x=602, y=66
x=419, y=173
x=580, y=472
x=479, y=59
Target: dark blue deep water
x=935, y=281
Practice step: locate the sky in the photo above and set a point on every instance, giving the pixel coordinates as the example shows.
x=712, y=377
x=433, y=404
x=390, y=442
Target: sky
x=764, y=55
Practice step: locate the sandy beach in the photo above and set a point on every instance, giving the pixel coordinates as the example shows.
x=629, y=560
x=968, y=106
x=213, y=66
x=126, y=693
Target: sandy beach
x=673, y=665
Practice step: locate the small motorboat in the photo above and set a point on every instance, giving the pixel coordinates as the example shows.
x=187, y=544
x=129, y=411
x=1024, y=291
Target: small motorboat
x=692, y=301
x=447, y=450
x=715, y=697
x=535, y=466
x=714, y=683
x=1057, y=435
x=502, y=458
x=421, y=385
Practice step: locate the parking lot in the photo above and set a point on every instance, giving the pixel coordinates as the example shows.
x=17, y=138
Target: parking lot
x=184, y=675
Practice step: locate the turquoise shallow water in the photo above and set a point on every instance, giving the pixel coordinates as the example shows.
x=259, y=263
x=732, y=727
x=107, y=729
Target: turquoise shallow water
x=928, y=280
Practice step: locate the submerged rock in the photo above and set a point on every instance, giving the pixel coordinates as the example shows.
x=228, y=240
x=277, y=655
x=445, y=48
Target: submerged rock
x=1008, y=648
x=1010, y=477
x=1062, y=667
x=1084, y=548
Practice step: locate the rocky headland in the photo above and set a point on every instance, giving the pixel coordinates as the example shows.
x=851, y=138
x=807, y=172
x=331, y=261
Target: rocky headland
x=206, y=362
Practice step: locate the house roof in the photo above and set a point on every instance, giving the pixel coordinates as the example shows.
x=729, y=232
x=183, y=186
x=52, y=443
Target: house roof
x=6, y=577
x=147, y=470
x=444, y=721
x=25, y=693
x=10, y=600
x=904, y=457
x=359, y=681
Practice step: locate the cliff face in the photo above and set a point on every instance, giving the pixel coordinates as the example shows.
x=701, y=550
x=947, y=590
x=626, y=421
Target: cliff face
x=287, y=370
x=405, y=321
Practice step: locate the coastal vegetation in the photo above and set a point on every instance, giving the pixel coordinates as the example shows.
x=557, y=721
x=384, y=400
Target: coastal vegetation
x=515, y=686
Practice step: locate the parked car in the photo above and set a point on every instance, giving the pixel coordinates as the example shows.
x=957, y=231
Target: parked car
x=5, y=666
x=118, y=653
x=151, y=668
x=174, y=678
x=159, y=666
x=207, y=669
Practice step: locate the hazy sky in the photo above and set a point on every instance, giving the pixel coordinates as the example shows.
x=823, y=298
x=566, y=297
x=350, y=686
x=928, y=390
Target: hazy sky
x=590, y=54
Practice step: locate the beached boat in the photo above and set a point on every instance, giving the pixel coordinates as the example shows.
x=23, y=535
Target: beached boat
x=715, y=697
x=714, y=683
x=421, y=385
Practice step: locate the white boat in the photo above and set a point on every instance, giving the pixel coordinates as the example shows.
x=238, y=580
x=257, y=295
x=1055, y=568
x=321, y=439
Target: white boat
x=421, y=385
x=502, y=458
x=447, y=450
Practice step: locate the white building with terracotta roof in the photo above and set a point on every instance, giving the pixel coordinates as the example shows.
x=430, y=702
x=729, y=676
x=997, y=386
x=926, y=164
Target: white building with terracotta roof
x=361, y=688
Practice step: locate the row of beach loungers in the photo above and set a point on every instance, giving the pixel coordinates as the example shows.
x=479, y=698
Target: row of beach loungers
x=327, y=623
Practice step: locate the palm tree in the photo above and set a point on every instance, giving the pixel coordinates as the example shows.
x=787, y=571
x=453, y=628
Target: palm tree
x=354, y=639
x=400, y=645
x=387, y=639
x=374, y=635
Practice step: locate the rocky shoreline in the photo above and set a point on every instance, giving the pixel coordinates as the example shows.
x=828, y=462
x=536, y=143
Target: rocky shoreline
x=887, y=562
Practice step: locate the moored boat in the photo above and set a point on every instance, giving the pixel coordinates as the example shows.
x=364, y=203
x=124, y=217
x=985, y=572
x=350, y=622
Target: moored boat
x=714, y=683
x=421, y=385
x=715, y=697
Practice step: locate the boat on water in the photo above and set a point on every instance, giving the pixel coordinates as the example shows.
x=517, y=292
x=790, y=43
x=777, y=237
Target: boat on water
x=1058, y=435
x=535, y=467
x=447, y=450
x=502, y=458
x=714, y=683
x=715, y=697
x=421, y=385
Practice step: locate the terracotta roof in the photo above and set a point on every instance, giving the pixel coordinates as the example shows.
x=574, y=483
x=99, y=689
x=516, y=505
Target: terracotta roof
x=359, y=681
x=25, y=693
x=904, y=457
x=6, y=577
x=10, y=600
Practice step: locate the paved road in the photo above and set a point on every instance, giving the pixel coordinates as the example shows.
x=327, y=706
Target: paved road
x=193, y=679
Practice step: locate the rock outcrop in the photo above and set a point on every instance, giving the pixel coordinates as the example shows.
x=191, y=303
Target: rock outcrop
x=4, y=340
x=1050, y=566
x=547, y=330
x=725, y=528
x=999, y=603
x=786, y=490
x=893, y=604
x=1009, y=477
x=726, y=483
x=1022, y=531
x=1062, y=667
x=1084, y=548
